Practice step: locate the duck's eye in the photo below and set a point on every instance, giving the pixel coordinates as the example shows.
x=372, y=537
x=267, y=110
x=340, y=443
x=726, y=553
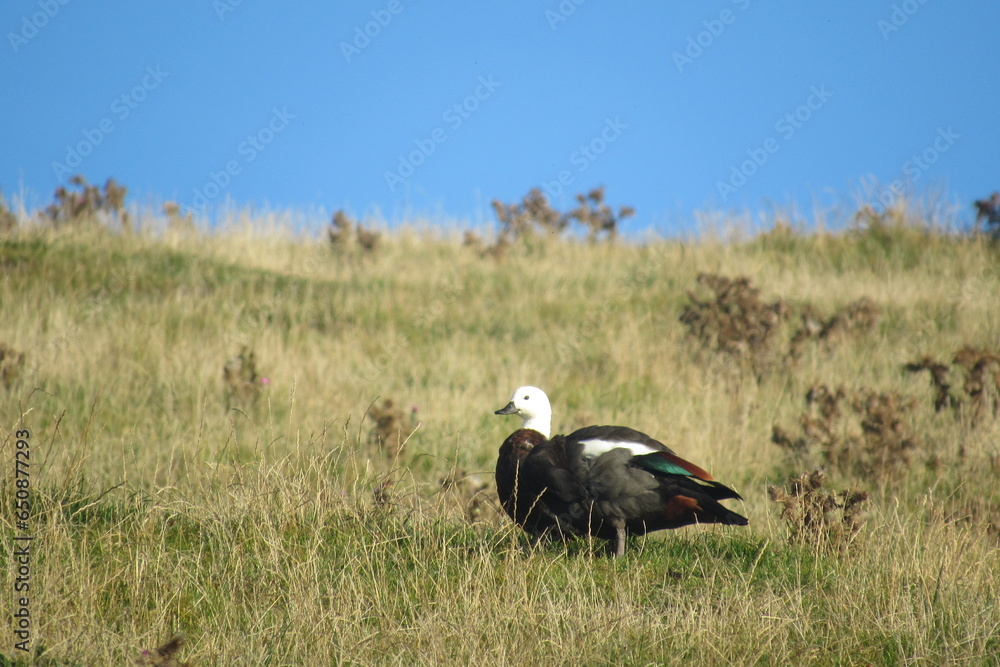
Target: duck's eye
x=525, y=397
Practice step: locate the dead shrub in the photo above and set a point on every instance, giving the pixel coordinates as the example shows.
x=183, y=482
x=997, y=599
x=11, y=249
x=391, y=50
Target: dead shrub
x=940, y=380
x=871, y=439
x=981, y=386
x=852, y=321
x=496, y=250
x=391, y=427
x=11, y=366
x=242, y=383
x=87, y=204
x=821, y=518
x=733, y=320
x=982, y=378
x=729, y=316
x=534, y=217
x=597, y=217
x=344, y=232
x=175, y=221
x=988, y=210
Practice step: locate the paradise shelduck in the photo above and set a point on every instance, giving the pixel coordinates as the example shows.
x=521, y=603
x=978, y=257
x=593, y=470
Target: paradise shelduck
x=603, y=481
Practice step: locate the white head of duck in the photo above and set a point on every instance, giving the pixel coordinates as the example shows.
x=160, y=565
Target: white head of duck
x=532, y=405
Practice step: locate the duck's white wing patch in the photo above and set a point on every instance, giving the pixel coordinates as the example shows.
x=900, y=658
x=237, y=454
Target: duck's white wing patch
x=597, y=447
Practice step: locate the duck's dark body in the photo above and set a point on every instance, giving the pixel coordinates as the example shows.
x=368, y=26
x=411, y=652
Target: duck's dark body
x=555, y=488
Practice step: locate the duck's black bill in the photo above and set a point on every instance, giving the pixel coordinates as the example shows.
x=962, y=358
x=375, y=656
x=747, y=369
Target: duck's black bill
x=508, y=409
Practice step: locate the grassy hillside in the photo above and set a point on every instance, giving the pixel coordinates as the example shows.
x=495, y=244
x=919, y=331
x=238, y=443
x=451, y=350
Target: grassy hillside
x=286, y=523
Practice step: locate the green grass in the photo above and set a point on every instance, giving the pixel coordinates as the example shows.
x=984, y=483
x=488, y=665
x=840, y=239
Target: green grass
x=256, y=531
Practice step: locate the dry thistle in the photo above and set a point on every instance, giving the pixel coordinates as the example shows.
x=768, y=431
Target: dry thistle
x=497, y=250
x=114, y=201
x=368, y=239
x=391, y=430
x=472, y=240
x=939, y=379
x=175, y=221
x=343, y=228
x=597, y=217
x=981, y=386
x=856, y=318
x=520, y=220
x=888, y=441
x=872, y=441
x=733, y=320
x=340, y=230
x=818, y=517
x=988, y=210
x=534, y=217
x=239, y=374
x=74, y=207
x=819, y=425
x=11, y=365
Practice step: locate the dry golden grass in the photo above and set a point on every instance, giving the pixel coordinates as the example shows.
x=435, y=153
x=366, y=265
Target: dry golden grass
x=282, y=531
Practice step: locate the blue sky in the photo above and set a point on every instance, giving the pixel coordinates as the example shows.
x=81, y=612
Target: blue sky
x=412, y=108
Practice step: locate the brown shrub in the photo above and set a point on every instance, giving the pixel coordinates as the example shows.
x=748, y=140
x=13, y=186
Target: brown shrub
x=852, y=321
x=75, y=207
x=981, y=386
x=730, y=317
x=175, y=221
x=872, y=440
x=733, y=320
x=982, y=378
x=242, y=383
x=11, y=365
x=533, y=216
x=391, y=427
x=342, y=229
x=827, y=520
x=939, y=380
x=596, y=216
